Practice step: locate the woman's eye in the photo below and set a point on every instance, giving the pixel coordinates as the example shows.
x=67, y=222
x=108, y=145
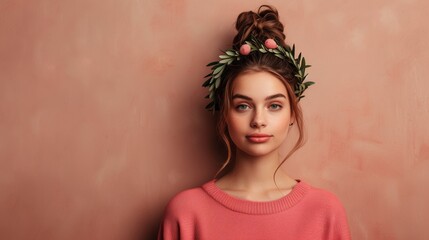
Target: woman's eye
x=275, y=106
x=242, y=107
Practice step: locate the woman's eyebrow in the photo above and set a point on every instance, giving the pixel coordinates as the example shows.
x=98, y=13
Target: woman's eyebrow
x=250, y=99
x=275, y=96
x=241, y=96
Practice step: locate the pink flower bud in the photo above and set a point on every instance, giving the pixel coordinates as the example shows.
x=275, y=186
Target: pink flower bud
x=245, y=49
x=270, y=43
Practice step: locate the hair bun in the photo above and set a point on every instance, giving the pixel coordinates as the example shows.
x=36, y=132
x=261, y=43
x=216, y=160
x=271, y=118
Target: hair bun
x=264, y=24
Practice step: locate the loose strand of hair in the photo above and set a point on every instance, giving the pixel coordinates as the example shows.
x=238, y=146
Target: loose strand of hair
x=222, y=128
x=300, y=141
x=228, y=158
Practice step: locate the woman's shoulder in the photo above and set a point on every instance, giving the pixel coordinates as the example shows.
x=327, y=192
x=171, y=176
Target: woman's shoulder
x=187, y=201
x=186, y=195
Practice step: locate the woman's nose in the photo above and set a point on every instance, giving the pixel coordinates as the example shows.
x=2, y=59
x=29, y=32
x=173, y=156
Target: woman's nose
x=258, y=119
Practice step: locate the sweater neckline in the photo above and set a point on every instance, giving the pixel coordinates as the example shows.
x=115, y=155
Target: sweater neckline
x=254, y=207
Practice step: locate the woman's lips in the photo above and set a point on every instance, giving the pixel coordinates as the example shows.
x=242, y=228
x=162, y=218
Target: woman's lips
x=258, y=138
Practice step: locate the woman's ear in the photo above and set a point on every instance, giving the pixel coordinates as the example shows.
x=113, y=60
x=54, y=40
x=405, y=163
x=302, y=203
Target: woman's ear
x=292, y=118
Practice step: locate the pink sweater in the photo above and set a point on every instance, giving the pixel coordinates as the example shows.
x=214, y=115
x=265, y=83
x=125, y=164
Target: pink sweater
x=209, y=213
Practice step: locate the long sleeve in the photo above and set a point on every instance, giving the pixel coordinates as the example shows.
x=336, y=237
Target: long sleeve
x=341, y=226
x=179, y=217
x=169, y=230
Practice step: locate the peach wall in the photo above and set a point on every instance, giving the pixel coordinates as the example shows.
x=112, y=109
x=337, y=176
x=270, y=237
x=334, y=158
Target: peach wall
x=102, y=119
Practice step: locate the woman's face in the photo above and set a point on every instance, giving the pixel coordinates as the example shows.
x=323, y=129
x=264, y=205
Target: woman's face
x=259, y=116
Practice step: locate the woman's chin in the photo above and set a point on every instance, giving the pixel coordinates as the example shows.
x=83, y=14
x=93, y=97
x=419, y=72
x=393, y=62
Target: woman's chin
x=258, y=152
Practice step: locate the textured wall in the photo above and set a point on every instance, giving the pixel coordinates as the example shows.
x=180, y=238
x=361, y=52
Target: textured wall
x=102, y=120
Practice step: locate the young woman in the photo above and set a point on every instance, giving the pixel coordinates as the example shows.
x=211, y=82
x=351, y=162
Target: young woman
x=256, y=87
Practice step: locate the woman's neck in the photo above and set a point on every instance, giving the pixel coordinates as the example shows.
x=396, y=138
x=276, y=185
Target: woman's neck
x=252, y=178
x=258, y=171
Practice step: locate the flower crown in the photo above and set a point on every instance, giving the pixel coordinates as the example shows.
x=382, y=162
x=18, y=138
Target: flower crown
x=215, y=78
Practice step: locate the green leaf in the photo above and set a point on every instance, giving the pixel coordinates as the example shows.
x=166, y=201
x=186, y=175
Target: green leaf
x=217, y=70
x=295, y=64
x=223, y=56
x=279, y=56
x=231, y=53
x=208, y=75
x=212, y=63
x=219, y=73
x=216, y=66
x=223, y=61
x=206, y=83
x=309, y=83
x=210, y=105
x=217, y=83
x=303, y=78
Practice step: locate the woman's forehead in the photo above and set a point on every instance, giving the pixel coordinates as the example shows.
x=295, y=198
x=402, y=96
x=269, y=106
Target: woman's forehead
x=258, y=84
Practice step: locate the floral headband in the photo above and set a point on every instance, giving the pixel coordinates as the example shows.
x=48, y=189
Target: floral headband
x=215, y=78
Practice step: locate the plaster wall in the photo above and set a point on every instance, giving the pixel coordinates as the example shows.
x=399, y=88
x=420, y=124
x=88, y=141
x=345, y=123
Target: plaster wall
x=102, y=114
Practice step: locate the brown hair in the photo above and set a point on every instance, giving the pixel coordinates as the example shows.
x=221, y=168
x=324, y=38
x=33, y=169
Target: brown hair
x=262, y=25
